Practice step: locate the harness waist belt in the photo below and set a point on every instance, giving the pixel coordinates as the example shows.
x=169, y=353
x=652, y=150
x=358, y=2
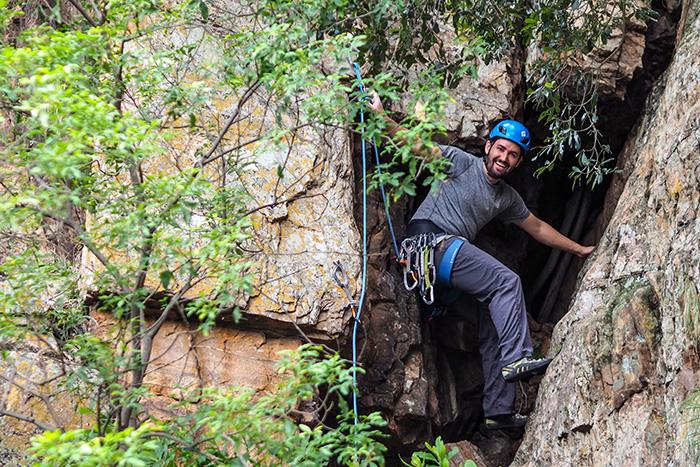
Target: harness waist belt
x=444, y=273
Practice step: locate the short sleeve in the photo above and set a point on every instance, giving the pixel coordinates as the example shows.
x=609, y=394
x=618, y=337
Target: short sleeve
x=516, y=209
x=461, y=160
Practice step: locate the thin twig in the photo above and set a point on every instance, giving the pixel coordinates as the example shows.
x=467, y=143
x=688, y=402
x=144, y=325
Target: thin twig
x=244, y=98
x=38, y=395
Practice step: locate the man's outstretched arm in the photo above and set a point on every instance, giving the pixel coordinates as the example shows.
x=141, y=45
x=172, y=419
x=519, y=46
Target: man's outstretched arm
x=548, y=235
x=394, y=131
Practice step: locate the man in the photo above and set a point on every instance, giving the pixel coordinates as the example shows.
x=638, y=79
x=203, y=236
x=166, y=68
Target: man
x=473, y=194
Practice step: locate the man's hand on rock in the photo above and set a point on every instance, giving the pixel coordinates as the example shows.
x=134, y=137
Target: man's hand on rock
x=584, y=251
x=394, y=130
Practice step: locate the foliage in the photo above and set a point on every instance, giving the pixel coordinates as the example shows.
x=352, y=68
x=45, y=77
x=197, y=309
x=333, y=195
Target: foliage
x=562, y=79
x=129, y=144
x=435, y=455
x=136, y=156
x=230, y=426
x=427, y=98
x=83, y=448
x=561, y=76
x=7, y=13
x=85, y=160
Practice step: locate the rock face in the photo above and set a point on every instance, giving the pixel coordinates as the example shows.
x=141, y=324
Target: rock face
x=465, y=452
x=183, y=359
x=297, y=241
x=626, y=357
x=301, y=223
x=626, y=353
x=477, y=101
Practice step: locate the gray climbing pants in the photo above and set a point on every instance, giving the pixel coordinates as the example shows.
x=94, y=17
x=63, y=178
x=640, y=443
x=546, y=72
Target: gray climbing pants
x=504, y=336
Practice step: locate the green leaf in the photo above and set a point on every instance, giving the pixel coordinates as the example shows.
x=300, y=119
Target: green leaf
x=204, y=10
x=165, y=278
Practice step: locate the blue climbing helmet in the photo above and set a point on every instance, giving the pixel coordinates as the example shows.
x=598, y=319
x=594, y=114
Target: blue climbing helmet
x=514, y=131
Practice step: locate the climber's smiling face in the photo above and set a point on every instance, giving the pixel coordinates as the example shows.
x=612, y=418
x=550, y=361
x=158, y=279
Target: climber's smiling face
x=502, y=156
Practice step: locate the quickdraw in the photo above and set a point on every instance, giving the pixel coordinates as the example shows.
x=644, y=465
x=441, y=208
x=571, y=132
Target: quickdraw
x=417, y=256
x=341, y=279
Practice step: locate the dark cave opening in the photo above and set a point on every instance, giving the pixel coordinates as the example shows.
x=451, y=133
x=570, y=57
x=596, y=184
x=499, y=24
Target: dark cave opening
x=549, y=277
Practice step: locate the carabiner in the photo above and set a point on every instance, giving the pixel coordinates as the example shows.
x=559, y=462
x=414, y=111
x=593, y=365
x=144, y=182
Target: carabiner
x=339, y=275
x=432, y=274
x=341, y=279
x=430, y=292
x=405, y=280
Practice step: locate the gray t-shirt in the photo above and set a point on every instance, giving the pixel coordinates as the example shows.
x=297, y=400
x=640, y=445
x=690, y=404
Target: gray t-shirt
x=465, y=202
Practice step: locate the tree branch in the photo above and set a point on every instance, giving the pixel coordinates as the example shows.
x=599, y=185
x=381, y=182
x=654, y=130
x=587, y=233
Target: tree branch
x=244, y=144
x=244, y=98
x=83, y=12
x=39, y=396
x=82, y=234
x=25, y=418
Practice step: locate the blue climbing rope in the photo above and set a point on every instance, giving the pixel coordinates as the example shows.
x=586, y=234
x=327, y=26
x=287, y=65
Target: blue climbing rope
x=364, y=254
x=361, y=87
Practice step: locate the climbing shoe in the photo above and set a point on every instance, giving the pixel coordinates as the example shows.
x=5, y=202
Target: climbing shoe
x=524, y=368
x=505, y=422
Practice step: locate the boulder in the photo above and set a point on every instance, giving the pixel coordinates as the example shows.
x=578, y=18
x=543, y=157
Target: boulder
x=466, y=451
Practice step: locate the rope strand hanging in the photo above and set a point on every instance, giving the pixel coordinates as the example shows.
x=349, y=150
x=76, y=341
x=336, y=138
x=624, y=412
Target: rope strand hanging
x=360, y=302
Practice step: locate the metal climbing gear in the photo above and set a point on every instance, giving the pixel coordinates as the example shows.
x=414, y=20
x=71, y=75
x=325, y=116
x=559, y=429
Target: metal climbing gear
x=407, y=258
x=417, y=256
x=341, y=279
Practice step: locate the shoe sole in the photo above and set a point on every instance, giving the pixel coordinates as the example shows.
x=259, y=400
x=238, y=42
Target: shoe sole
x=535, y=370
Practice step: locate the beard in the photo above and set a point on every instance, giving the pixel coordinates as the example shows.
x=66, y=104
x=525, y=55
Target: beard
x=490, y=168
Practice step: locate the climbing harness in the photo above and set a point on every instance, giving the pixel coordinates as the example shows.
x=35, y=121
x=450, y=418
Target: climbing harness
x=448, y=262
x=417, y=256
